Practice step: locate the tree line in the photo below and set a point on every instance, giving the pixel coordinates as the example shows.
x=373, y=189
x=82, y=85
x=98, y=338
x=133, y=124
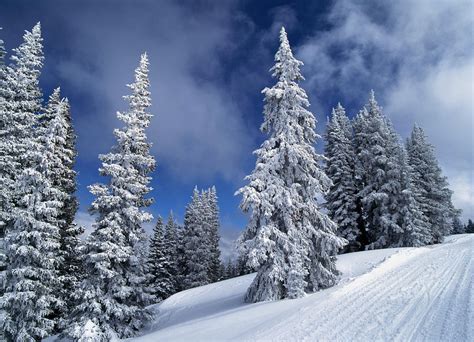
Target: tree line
x=99, y=287
x=379, y=192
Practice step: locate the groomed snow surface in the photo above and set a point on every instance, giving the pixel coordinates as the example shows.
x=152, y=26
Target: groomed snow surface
x=403, y=294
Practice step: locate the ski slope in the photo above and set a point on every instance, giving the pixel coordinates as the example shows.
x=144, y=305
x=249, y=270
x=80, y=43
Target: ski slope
x=420, y=294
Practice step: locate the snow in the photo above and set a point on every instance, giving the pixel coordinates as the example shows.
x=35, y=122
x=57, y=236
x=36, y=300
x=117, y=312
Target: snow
x=401, y=294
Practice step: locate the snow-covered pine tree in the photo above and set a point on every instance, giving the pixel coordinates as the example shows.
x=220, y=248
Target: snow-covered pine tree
x=413, y=223
x=57, y=118
x=430, y=186
x=181, y=264
x=291, y=242
x=213, y=226
x=377, y=175
x=20, y=101
x=341, y=200
x=469, y=228
x=3, y=205
x=113, y=292
x=458, y=227
x=171, y=248
x=32, y=231
x=32, y=276
x=159, y=265
x=196, y=244
x=229, y=269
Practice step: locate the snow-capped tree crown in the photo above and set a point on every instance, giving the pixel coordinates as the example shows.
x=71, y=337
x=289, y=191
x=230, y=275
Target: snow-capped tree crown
x=3, y=52
x=287, y=67
x=27, y=63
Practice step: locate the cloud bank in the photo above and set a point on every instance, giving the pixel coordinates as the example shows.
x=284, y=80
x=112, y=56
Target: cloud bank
x=198, y=131
x=418, y=57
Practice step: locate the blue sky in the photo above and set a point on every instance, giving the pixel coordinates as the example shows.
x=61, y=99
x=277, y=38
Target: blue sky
x=210, y=60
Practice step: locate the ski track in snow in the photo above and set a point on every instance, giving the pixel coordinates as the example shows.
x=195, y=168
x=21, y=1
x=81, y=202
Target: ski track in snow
x=426, y=297
x=406, y=294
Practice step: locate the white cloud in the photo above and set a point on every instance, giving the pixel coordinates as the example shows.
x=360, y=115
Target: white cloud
x=85, y=220
x=198, y=131
x=418, y=57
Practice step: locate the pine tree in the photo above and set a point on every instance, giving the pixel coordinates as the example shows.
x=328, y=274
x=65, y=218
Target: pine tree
x=469, y=227
x=213, y=226
x=20, y=101
x=341, y=200
x=3, y=199
x=458, y=227
x=377, y=176
x=230, y=270
x=431, y=187
x=171, y=248
x=159, y=264
x=413, y=223
x=32, y=231
x=181, y=263
x=196, y=244
x=57, y=119
x=291, y=242
x=113, y=293
x=33, y=251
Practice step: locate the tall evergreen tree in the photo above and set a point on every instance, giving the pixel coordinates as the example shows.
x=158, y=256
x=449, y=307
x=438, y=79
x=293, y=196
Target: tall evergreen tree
x=212, y=209
x=171, y=249
x=113, y=292
x=57, y=118
x=196, y=244
x=3, y=185
x=159, y=264
x=413, y=223
x=291, y=242
x=181, y=263
x=20, y=101
x=431, y=187
x=377, y=176
x=458, y=227
x=341, y=200
x=469, y=227
x=32, y=231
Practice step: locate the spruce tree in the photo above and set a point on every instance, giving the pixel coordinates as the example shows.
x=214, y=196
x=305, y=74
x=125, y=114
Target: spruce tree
x=431, y=187
x=32, y=276
x=469, y=228
x=291, y=242
x=181, y=263
x=213, y=226
x=113, y=294
x=196, y=244
x=20, y=101
x=230, y=269
x=458, y=227
x=57, y=118
x=159, y=264
x=341, y=200
x=377, y=176
x=4, y=211
x=171, y=249
x=413, y=223
x=32, y=231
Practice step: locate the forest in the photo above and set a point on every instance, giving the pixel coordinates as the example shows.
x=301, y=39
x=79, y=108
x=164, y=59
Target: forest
x=370, y=190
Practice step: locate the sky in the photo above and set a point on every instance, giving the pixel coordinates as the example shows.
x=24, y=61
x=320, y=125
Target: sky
x=209, y=61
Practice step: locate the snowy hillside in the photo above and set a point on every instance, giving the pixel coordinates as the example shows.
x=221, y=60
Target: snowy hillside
x=406, y=293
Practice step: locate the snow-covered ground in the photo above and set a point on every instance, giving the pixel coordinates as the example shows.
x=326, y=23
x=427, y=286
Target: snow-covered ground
x=394, y=294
